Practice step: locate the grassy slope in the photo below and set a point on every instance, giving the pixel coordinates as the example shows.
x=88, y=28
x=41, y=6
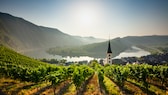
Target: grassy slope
x=8, y=56
x=11, y=86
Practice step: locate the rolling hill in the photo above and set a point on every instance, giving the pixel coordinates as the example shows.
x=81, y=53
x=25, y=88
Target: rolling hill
x=21, y=35
x=10, y=57
x=118, y=45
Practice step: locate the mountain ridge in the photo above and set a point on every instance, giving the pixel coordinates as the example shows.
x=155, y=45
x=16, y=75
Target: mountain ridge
x=20, y=34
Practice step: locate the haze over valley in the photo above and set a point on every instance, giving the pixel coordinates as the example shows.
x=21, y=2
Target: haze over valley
x=36, y=41
x=83, y=47
x=83, y=28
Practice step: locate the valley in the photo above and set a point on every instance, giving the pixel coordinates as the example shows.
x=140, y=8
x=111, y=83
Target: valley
x=23, y=36
x=39, y=60
x=23, y=75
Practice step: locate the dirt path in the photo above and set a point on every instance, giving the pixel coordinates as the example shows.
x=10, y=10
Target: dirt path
x=49, y=89
x=92, y=87
x=134, y=89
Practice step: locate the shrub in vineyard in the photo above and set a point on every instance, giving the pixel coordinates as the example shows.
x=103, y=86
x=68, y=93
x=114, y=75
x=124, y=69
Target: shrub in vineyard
x=80, y=75
x=55, y=78
x=117, y=73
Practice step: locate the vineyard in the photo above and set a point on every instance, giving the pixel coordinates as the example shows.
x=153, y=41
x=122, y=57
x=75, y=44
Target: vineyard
x=21, y=75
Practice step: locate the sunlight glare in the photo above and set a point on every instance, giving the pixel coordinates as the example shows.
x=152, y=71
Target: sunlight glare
x=87, y=17
x=87, y=14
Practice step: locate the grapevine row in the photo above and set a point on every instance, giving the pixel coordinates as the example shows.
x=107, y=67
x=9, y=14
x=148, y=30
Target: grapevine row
x=140, y=73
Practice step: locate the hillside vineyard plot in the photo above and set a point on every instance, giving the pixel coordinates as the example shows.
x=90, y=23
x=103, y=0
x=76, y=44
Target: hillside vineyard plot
x=20, y=75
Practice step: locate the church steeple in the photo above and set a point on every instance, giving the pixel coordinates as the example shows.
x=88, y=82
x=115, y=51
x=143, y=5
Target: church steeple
x=109, y=48
x=109, y=54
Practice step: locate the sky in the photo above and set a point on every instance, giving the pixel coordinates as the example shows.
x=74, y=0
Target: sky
x=97, y=18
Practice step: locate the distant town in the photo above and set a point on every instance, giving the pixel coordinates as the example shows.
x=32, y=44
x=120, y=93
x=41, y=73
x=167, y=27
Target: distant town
x=154, y=59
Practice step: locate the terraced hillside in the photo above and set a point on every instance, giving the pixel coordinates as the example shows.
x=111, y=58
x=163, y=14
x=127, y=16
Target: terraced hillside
x=21, y=75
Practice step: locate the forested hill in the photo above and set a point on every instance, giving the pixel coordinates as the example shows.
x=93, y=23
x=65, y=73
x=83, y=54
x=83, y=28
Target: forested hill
x=20, y=34
x=146, y=40
x=118, y=45
x=97, y=50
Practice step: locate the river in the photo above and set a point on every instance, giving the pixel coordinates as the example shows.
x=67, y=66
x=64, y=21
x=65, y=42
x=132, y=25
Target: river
x=133, y=52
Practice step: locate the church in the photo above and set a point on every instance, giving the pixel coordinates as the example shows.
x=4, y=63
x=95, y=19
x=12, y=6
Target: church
x=108, y=59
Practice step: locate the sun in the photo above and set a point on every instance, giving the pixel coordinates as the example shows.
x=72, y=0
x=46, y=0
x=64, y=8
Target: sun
x=87, y=17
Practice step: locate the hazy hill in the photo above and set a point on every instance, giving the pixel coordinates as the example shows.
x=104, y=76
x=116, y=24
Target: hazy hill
x=146, y=40
x=118, y=45
x=20, y=34
x=93, y=50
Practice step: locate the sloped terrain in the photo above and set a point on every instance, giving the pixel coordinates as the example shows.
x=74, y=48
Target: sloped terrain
x=20, y=34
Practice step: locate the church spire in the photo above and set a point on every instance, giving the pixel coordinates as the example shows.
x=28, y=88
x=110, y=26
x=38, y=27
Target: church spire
x=108, y=59
x=109, y=48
